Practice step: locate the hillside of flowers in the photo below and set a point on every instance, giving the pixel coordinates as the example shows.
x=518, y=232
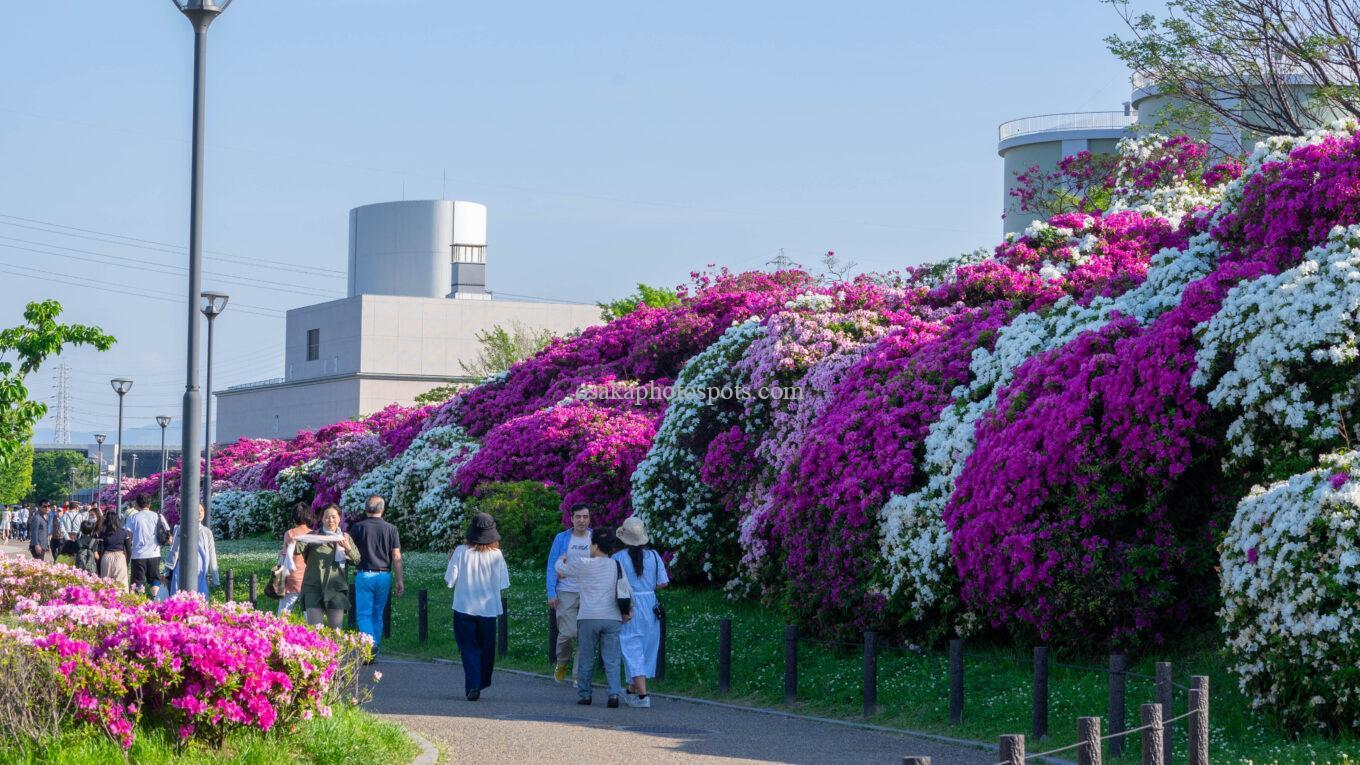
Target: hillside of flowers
x=1120, y=422
x=198, y=670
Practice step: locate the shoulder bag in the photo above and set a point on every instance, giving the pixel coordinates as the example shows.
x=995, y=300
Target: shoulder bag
x=658, y=610
x=623, y=594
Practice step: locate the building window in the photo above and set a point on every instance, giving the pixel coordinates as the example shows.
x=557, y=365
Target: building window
x=313, y=344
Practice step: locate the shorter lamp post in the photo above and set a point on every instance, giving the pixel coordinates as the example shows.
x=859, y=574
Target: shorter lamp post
x=214, y=303
x=99, y=479
x=164, y=422
x=121, y=386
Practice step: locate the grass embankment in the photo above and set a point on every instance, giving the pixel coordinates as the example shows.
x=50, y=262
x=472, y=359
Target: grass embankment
x=913, y=690
x=348, y=736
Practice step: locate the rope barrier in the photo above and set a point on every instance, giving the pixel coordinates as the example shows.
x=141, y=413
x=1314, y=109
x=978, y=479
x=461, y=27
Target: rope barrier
x=1120, y=734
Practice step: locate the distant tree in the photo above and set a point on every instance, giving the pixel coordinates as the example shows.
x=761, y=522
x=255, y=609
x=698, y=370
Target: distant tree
x=16, y=475
x=440, y=394
x=1080, y=182
x=56, y=474
x=836, y=269
x=654, y=297
x=1242, y=62
x=23, y=349
x=502, y=347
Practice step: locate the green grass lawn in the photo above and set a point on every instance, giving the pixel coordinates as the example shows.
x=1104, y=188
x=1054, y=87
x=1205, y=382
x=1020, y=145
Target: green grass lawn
x=913, y=690
x=349, y=736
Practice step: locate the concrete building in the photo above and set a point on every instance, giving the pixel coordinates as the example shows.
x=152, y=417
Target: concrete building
x=417, y=299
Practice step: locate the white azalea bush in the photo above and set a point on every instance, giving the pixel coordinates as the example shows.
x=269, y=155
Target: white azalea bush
x=1282, y=356
x=237, y=514
x=676, y=505
x=418, y=487
x=1291, y=596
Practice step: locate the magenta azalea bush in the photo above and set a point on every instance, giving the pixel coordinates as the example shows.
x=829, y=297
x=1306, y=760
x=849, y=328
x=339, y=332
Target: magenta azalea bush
x=200, y=670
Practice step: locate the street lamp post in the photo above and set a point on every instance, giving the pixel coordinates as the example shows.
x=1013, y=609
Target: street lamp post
x=99, y=477
x=214, y=303
x=163, y=421
x=201, y=14
x=120, y=386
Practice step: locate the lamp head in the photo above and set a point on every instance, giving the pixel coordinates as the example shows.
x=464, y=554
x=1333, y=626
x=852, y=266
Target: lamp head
x=99, y=438
x=121, y=385
x=213, y=303
x=205, y=6
x=162, y=421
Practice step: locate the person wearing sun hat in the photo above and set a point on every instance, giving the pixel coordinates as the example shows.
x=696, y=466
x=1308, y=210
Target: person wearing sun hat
x=640, y=638
x=477, y=573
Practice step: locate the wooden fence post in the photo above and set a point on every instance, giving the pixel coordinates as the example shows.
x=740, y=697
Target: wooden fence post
x=254, y=589
x=661, y=653
x=870, y=673
x=387, y=619
x=552, y=637
x=352, y=616
x=790, y=664
x=1039, y=712
x=1012, y=749
x=423, y=615
x=1118, y=689
x=725, y=656
x=231, y=586
x=955, y=682
x=1199, y=722
x=915, y=761
x=1152, y=734
x=1164, y=691
x=1088, y=735
x=503, y=629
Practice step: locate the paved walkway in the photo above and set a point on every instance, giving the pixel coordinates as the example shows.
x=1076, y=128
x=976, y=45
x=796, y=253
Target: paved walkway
x=529, y=719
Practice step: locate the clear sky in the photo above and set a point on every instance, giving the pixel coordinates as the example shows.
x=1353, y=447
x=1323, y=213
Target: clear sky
x=613, y=142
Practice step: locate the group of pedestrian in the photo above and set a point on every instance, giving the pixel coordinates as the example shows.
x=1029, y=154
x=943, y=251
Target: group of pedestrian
x=315, y=562
x=56, y=532
x=601, y=584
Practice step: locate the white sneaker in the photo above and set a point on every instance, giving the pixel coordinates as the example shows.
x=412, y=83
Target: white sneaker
x=639, y=702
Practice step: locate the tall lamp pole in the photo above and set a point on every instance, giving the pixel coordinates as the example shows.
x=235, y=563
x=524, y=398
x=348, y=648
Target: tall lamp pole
x=163, y=421
x=120, y=386
x=201, y=14
x=214, y=303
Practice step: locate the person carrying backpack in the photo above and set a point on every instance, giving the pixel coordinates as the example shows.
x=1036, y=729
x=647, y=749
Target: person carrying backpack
x=87, y=548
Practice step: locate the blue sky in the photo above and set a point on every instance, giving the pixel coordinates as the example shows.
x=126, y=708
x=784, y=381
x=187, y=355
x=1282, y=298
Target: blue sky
x=613, y=142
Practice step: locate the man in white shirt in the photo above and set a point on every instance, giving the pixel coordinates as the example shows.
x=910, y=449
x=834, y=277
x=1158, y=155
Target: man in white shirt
x=147, y=528
x=564, y=595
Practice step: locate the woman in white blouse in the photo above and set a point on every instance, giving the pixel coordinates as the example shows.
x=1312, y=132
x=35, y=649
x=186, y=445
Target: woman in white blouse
x=477, y=574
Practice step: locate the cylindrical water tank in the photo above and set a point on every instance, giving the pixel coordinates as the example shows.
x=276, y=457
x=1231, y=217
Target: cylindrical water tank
x=422, y=248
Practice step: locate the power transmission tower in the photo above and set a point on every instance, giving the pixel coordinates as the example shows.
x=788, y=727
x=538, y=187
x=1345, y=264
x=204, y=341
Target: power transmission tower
x=63, y=429
x=781, y=262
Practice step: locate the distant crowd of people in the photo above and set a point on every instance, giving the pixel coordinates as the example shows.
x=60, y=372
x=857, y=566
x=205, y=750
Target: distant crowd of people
x=602, y=583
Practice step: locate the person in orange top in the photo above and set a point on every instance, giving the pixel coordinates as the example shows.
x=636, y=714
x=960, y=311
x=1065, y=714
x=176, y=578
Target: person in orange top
x=292, y=584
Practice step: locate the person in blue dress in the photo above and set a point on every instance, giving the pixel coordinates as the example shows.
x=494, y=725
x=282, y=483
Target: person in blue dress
x=207, y=558
x=640, y=638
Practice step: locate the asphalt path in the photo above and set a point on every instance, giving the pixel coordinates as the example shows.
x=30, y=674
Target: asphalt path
x=524, y=718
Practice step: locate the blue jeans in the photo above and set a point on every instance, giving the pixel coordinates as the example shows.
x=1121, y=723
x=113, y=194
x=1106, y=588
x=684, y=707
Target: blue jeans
x=476, y=636
x=605, y=634
x=371, y=590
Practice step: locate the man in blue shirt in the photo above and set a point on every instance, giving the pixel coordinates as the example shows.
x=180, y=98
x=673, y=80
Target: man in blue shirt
x=563, y=594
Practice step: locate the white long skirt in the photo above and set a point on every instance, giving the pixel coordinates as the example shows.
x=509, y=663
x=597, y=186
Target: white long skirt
x=640, y=638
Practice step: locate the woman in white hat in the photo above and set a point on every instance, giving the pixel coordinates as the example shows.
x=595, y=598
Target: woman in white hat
x=640, y=638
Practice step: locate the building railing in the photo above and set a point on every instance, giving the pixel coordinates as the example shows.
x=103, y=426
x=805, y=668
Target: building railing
x=1045, y=123
x=257, y=384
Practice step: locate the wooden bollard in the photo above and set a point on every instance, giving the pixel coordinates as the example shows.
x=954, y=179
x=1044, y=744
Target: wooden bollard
x=790, y=664
x=1164, y=697
x=661, y=652
x=503, y=629
x=870, y=673
x=423, y=615
x=352, y=616
x=1088, y=735
x=254, y=589
x=955, y=682
x=1039, y=705
x=552, y=637
x=231, y=586
x=724, y=656
x=1152, y=734
x=915, y=761
x=1012, y=749
x=387, y=619
x=1118, y=689
x=1199, y=722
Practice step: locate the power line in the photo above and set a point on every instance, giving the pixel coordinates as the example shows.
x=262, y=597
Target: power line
x=122, y=289
x=173, y=249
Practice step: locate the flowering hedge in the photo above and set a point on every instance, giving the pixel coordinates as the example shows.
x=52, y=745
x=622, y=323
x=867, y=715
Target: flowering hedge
x=202, y=670
x=1291, y=595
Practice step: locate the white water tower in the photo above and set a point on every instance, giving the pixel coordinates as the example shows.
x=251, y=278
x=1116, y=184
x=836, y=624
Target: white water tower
x=425, y=248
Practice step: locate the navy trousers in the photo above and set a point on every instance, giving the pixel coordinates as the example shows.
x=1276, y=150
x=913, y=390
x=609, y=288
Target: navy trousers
x=476, y=636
